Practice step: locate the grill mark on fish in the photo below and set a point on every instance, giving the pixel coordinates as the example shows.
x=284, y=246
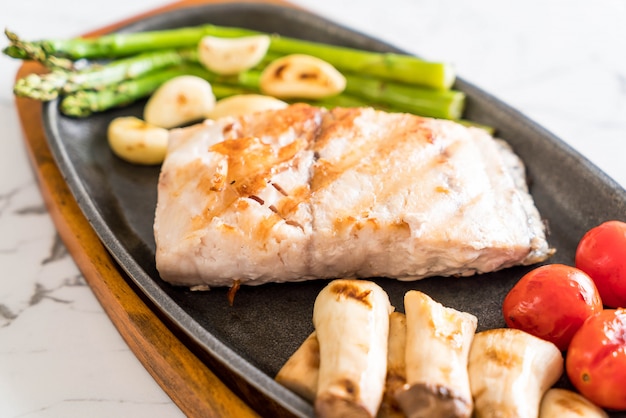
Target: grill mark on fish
x=279, y=188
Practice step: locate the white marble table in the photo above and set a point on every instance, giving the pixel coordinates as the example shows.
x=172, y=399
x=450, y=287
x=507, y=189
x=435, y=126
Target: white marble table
x=562, y=62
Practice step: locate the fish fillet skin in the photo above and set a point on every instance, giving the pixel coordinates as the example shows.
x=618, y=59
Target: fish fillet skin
x=304, y=192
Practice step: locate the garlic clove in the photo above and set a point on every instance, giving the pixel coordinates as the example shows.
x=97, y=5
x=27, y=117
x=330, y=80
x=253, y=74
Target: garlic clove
x=136, y=141
x=243, y=104
x=179, y=101
x=232, y=55
x=301, y=76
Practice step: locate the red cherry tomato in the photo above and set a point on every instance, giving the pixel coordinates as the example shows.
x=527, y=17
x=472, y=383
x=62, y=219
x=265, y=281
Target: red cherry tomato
x=596, y=360
x=551, y=302
x=601, y=253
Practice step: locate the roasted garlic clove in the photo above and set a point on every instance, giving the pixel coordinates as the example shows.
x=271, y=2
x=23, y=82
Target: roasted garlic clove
x=300, y=372
x=438, y=340
x=179, y=101
x=510, y=370
x=351, y=319
x=232, y=55
x=563, y=403
x=301, y=76
x=136, y=141
x=243, y=104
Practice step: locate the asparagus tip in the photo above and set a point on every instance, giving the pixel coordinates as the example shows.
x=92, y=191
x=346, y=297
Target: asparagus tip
x=77, y=105
x=36, y=51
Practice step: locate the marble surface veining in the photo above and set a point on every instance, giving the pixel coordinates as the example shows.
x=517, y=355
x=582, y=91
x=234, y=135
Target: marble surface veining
x=562, y=62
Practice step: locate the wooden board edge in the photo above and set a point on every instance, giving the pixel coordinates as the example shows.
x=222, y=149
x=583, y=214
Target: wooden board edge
x=189, y=382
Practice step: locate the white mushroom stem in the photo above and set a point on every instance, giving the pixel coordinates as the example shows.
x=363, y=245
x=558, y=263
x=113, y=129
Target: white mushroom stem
x=300, y=372
x=510, y=370
x=396, y=366
x=351, y=318
x=438, y=340
x=563, y=403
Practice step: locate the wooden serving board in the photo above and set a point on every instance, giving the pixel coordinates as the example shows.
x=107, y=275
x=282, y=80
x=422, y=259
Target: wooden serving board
x=197, y=386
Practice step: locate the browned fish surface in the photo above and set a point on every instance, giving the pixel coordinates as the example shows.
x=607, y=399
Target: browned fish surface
x=304, y=192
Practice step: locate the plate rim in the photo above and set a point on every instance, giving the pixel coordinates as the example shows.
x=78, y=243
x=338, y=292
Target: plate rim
x=186, y=323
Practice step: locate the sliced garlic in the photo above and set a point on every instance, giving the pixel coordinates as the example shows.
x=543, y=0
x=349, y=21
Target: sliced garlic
x=136, y=141
x=178, y=101
x=301, y=76
x=232, y=55
x=243, y=104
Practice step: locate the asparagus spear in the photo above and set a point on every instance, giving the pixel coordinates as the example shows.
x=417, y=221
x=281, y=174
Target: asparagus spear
x=21, y=49
x=362, y=92
x=397, y=67
x=85, y=102
x=446, y=104
x=49, y=86
x=114, y=45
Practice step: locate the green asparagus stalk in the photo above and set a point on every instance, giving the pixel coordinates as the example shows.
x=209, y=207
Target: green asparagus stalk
x=49, y=86
x=86, y=102
x=447, y=104
x=361, y=92
x=116, y=45
x=398, y=67
x=24, y=50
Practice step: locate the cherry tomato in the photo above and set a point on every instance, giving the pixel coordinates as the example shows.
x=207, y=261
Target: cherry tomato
x=551, y=302
x=596, y=360
x=601, y=253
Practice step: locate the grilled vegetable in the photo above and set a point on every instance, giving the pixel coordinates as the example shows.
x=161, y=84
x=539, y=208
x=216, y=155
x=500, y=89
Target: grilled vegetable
x=136, y=141
x=232, y=55
x=509, y=371
x=178, y=101
x=563, y=403
x=351, y=319
x=438, y=341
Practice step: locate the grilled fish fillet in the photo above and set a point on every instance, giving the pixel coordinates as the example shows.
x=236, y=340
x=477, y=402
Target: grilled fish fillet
x=305, y=192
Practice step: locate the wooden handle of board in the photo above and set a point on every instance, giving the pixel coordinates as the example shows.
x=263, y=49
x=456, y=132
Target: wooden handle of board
x=177, y=366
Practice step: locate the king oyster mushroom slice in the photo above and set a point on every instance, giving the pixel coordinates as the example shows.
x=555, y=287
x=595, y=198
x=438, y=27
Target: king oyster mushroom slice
x=510, y=370
x=232, y=55
x=438, y=340
x=396, y=366
x=351, y=319
x=300, y=76
x=300, y=372
x=563, y=403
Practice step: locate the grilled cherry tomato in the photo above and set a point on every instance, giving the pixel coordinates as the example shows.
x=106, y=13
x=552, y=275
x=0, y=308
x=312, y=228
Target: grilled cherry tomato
x=601, y=253
x=551, y=302
x=596, y=360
